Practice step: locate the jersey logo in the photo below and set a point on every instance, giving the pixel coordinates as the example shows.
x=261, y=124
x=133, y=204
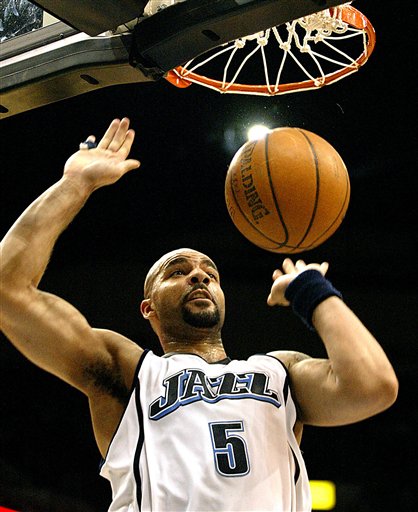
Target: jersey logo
x=193, y=385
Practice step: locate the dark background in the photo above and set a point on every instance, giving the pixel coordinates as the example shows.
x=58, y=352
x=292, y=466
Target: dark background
x=185, y=141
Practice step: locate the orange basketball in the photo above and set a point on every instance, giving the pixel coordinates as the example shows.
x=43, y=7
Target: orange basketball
x=287, y=192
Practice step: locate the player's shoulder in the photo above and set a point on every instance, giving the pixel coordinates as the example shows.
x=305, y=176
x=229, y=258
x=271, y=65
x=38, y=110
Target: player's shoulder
x=289, y=357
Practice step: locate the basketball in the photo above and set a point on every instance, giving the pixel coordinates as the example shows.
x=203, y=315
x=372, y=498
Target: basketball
x=287, y=192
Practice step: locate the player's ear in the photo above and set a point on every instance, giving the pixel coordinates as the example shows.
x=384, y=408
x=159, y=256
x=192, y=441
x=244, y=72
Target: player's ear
x=147, y=309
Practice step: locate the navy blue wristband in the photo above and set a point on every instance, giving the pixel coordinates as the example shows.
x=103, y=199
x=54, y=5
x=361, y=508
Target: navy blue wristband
x=306, y=291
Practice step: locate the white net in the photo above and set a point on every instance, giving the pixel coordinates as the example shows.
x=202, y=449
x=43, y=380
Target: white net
x=154, y=6
x=306, y=53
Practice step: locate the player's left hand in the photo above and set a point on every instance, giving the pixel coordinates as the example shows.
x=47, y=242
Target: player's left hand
x=282, y=279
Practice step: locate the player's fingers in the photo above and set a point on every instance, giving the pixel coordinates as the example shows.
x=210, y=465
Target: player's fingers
x=120, y=136
x=88, y=143
x=324, y=267
x=129, y=165
x=276, y=274
x=288, y=266
x=300, y=265
x=125, y=148
x=109, y=134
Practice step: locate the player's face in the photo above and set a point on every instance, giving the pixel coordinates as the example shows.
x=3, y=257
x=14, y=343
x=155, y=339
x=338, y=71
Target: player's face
x=187, y=288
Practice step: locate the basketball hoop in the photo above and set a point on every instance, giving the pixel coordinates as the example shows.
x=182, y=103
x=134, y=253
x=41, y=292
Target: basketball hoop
x=304, y=54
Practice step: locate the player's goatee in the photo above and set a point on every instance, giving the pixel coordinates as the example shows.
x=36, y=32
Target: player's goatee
x=202, y=319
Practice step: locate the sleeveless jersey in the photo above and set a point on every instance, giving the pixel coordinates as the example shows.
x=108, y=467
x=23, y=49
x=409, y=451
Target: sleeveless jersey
x=207, y=437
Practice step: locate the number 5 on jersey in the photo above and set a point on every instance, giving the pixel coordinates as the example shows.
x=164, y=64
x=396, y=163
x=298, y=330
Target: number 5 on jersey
x=230, y=449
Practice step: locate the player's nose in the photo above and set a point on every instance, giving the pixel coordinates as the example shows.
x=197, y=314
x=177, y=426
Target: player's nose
x=199, y=276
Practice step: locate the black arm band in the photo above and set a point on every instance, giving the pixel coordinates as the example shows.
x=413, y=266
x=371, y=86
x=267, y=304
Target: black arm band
x=308, y=290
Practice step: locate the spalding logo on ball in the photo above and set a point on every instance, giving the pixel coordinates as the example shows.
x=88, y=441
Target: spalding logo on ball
x=287, y=192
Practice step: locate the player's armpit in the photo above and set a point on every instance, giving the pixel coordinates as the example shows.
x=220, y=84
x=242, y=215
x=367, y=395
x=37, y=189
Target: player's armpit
x=289, y=357
x=115, y=379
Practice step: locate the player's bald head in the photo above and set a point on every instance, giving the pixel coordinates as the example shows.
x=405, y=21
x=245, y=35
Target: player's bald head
x=165, y=260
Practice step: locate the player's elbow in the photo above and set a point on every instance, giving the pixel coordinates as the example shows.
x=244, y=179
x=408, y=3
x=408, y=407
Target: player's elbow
x=371, y=396
x=381, y=392
x=389, y=388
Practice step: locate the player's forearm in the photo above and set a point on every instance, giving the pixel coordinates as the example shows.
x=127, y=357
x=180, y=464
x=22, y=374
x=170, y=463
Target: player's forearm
x=27, y=247
x=359, y=366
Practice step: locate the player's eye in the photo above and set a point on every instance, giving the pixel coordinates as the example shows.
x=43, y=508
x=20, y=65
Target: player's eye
x=177, y=272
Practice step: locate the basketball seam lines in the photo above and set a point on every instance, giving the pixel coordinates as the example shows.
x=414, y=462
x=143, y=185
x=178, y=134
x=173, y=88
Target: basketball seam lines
x=273, y=191
x=337, y=218
x=315, y=156
x=245, y=217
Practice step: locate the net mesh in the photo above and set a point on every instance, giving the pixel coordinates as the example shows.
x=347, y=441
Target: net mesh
x=303, y=54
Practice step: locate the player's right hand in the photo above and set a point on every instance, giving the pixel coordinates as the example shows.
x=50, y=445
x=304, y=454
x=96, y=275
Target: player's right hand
x=108, y=162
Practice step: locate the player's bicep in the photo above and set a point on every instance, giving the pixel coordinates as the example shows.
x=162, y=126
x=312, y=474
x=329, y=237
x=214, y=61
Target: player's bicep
x=314, y=388
x=319, y=396
x=52, y=334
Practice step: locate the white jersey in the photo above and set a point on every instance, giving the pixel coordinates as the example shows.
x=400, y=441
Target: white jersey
x=207, y=437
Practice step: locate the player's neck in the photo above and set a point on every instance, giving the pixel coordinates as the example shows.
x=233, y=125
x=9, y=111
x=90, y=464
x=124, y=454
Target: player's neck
x=209, y=349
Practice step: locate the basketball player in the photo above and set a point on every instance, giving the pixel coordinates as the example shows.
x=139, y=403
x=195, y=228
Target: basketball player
x=192, y=430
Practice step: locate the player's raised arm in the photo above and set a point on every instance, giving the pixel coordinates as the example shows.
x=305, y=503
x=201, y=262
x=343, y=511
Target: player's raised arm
x=46, y=329
x=357, y=380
